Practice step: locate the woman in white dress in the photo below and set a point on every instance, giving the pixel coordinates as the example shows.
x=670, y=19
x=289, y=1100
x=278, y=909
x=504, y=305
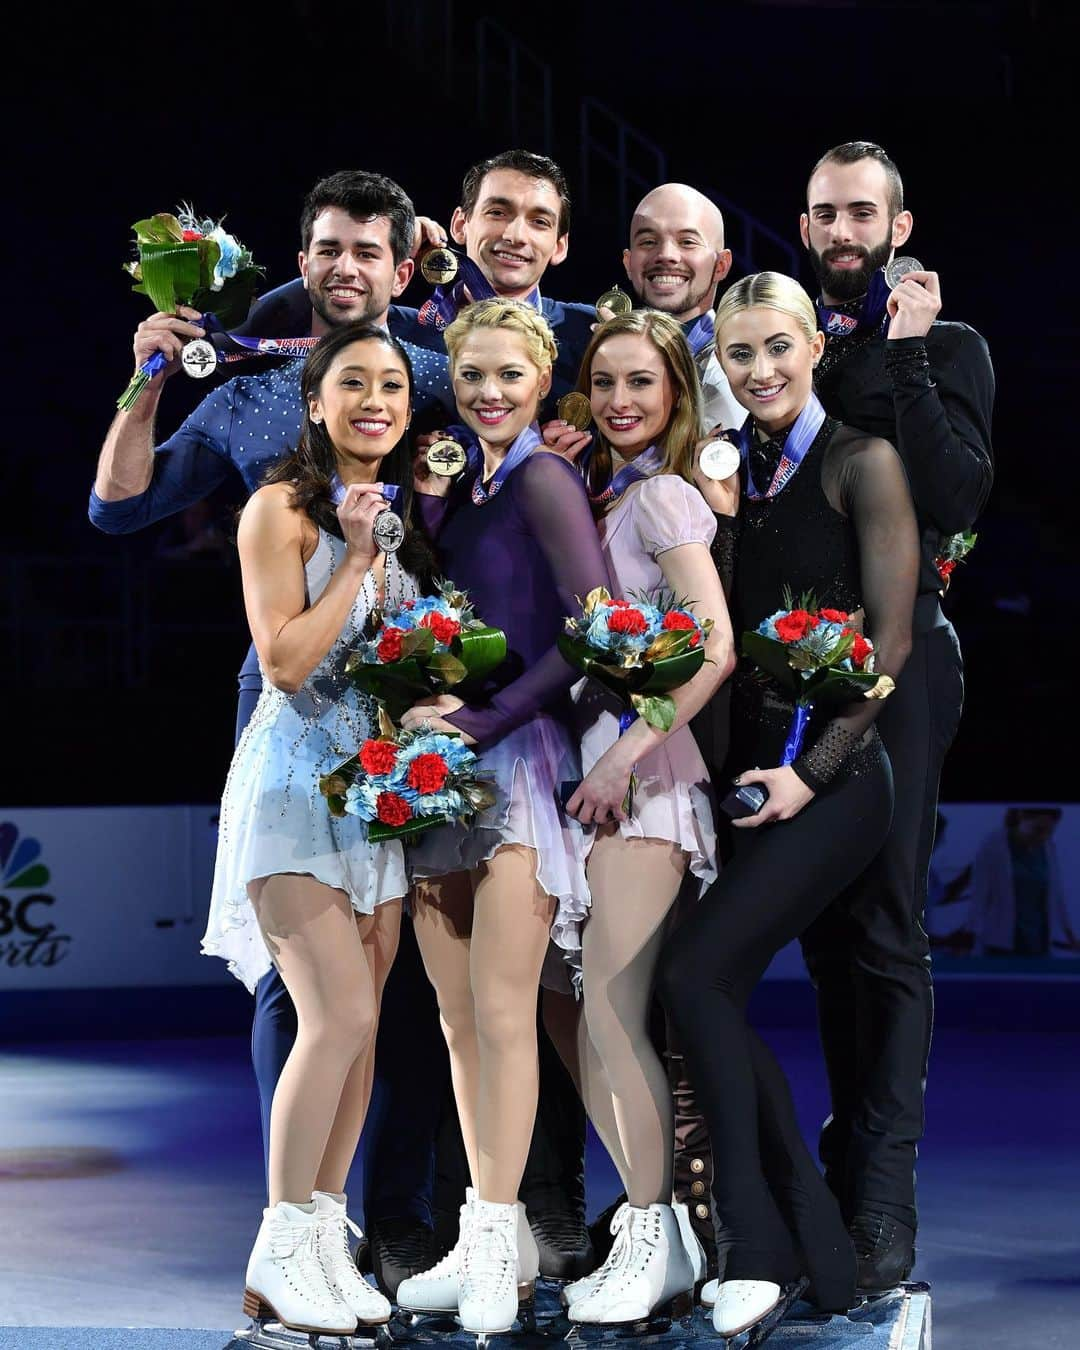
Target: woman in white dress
x=294, y=886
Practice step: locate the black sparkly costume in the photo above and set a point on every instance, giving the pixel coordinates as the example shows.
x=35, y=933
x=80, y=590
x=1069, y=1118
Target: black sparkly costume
x=844, y=528
x=868, y=955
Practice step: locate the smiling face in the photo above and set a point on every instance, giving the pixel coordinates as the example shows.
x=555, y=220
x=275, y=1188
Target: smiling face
x=677, y=255
x=631, y=392
x=349, y=271
x=497, y=385
x=512, y=233
x=847, y=226
x=769, y=363
x=363, y=401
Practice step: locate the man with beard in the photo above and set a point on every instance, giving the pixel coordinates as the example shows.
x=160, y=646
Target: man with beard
x=891, y=368
x=675, y=262
x=357, y=233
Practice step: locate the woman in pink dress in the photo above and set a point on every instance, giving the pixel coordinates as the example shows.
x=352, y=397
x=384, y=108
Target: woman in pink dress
x=655, y=531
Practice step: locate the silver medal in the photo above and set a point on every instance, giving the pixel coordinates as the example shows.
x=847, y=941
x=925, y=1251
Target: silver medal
x=895, y=270
x=388, y=531
x=198, y=358
x=719, y=460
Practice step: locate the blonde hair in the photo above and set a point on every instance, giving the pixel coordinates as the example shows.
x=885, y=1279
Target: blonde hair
x=682, y=433
x=516, y=317
x=767, y=290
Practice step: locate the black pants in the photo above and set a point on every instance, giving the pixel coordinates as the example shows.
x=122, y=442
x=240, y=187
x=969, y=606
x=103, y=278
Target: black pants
x=775, y=1216
x=868, y=954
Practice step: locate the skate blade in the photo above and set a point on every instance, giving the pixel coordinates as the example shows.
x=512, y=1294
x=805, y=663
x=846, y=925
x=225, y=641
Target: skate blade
x=272, y=1335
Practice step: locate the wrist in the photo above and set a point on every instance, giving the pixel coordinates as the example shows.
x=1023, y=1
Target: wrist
x=358, y=560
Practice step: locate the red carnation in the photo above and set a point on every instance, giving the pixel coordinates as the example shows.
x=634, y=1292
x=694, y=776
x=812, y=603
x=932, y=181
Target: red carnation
x=444, y=629
x=392, y=809
x=628, y=620
x=389, y=648
x=619, y=604
x=675, y=620
x=408, y=604
x=860, y=651
x=946, y=567
x=833, y=615
x=378, y=756
x=795, y=625
x=427, y=773
x=191, y=235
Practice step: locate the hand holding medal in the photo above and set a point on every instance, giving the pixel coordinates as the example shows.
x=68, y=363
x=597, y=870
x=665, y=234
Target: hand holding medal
x=914, y=298
x=367, y=518
x=716, y=471
x=568, y=435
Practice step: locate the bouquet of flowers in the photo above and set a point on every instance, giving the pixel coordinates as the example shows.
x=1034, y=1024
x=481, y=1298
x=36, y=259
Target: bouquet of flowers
x=425, y=646
x=639, y=649
x=185, y=260
x=816, y=656
x=403, y=782
x=954, y=549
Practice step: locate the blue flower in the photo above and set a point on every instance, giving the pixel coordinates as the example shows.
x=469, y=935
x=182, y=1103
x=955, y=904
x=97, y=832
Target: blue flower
x=454, y=751
x=229, y=263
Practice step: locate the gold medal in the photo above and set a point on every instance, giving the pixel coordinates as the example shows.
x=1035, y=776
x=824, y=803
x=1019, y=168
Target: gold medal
x=615, y=300
x=576, y=409
x=438, y=266
x=446, y=458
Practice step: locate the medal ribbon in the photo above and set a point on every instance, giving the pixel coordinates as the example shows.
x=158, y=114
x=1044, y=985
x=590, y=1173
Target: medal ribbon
x=469, y=285
x=796, y=443
x=702, y=333
x=523, y=446
x=642, y=467
x=871, y=316
x=390, y=491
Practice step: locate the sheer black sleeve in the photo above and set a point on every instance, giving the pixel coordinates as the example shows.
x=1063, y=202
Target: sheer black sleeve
x=551, y=497
x=872, y=487
x=943, y=398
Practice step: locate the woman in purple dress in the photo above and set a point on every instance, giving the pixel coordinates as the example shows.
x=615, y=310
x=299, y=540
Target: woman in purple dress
x=517, y=534
x=655, y=529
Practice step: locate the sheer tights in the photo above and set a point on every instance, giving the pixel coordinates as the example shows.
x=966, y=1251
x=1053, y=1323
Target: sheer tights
x=483, y=936
x=334, y=963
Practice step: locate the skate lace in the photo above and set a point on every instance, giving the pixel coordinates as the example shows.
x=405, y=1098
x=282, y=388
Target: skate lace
x=489, y=1263
x=297, y=1241
x=450, y=1264
x=334, y=1230
x=618, y=1257
x=872, y=1234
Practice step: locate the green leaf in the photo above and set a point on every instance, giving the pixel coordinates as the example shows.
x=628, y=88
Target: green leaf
x=170, y=273
x=657, y=709
x=448, y=668
x=417, y=642
x=772, y=657
x=480, y=650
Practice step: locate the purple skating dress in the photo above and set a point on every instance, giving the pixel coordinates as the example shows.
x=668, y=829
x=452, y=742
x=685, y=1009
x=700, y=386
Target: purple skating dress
x=524, y=556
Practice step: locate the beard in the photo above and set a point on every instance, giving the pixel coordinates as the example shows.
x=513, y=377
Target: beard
x=696, y=297
x=334, y=318
x=848, y=283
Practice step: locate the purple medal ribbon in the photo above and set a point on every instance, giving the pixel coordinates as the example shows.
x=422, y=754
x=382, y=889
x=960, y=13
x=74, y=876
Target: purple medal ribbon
x=469, y=285
x=796, y=443
x=702, y=333
x=645, y=464
x=390, y=491
x=220, y=340
x=523, y=446
x=872, y=315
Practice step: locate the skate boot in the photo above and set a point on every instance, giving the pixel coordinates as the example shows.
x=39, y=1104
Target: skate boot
x=692, y=1244
x=332, y=1226
x=285, y=1280
x=489, y=1299
x=577, y=1290
x=652, y=1280
x=756, y=1307
x=436, y=1290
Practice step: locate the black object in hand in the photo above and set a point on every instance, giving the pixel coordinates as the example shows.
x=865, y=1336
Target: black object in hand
x=745, y=801
x=566, y=790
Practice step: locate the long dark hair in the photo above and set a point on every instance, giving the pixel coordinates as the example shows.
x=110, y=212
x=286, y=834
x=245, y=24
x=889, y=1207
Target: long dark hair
x=313, y=465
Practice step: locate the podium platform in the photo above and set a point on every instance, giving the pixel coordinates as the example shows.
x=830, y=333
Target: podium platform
x=897, y=1321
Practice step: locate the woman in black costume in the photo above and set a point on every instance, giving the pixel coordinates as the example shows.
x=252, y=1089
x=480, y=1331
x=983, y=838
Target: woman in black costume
x=826, y=509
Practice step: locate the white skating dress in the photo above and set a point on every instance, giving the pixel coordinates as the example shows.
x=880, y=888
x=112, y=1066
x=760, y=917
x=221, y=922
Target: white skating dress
x=273, y=817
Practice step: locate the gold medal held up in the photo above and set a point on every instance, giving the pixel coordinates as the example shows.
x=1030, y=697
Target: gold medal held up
x=617, y=301
x=576, y=409
x=439, y=266
x=446, y=458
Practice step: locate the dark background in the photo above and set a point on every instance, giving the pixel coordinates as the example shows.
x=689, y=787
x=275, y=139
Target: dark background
x=120, y=653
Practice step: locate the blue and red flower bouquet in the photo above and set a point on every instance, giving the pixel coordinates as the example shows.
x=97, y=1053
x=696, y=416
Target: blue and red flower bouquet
x=425, y=646
x=402, y=782
x=640, y=649
x=816, y=656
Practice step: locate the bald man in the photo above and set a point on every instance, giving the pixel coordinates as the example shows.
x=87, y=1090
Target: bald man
x=675, y=262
